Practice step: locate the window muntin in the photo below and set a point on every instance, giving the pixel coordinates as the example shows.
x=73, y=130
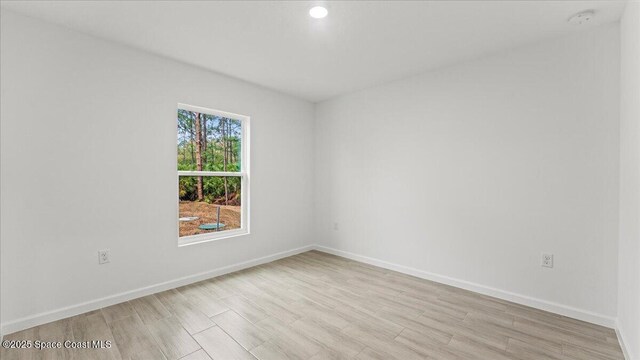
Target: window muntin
x=212, y=164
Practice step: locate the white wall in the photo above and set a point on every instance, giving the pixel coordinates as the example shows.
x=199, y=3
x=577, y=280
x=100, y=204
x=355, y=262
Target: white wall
x=88, y=162
x=629, y=246
x=474, y=170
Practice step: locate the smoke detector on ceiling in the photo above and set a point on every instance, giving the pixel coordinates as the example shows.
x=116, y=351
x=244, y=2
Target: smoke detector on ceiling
x=582, y=18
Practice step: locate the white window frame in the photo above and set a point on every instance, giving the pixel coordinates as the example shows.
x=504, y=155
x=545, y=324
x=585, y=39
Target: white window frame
x=243, y=174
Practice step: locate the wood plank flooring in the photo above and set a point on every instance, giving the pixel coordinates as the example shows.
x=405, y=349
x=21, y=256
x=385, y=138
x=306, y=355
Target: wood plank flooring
x=319, y=306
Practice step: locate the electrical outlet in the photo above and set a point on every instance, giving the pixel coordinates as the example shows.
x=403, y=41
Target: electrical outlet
x=547, y=260
x=104, y=256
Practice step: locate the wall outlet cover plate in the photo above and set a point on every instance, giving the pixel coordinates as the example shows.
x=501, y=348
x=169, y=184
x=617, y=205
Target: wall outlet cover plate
x=547, y=260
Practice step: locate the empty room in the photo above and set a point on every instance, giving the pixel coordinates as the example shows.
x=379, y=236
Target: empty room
x=219, y=180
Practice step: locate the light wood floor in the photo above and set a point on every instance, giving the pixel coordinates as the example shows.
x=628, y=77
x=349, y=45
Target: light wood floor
x=319, y=306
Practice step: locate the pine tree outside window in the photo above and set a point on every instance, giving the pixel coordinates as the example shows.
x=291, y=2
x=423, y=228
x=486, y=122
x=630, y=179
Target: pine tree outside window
x=213, y=174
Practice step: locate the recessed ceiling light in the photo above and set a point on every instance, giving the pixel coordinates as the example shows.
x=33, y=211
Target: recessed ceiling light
x=318, y=12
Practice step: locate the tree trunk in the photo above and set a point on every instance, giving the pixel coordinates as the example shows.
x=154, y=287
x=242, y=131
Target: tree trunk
x=199, y=153
x=184, y=148
x=204, y=137
x=191, y=139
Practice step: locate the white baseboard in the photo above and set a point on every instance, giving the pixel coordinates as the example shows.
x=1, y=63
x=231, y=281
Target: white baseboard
x=45, y=317
x=623, y=343
x=545, y=305
x=53, y=315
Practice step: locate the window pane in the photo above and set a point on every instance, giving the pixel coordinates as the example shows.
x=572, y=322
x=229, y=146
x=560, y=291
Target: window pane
x=200, y=199
x=208, y=142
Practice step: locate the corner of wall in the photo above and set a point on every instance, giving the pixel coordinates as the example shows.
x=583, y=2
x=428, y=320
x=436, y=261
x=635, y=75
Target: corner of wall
x=628, y=321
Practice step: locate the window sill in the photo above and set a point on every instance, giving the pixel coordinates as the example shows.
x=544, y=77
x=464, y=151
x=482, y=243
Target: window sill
x=204, y=238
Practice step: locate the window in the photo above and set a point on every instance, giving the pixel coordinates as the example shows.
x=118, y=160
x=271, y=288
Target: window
x=213, y=174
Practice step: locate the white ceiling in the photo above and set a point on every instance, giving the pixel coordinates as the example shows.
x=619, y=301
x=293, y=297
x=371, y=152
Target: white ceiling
x=360, y=44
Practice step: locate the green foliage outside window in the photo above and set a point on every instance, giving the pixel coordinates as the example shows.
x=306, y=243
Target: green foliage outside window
x=209, y=143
